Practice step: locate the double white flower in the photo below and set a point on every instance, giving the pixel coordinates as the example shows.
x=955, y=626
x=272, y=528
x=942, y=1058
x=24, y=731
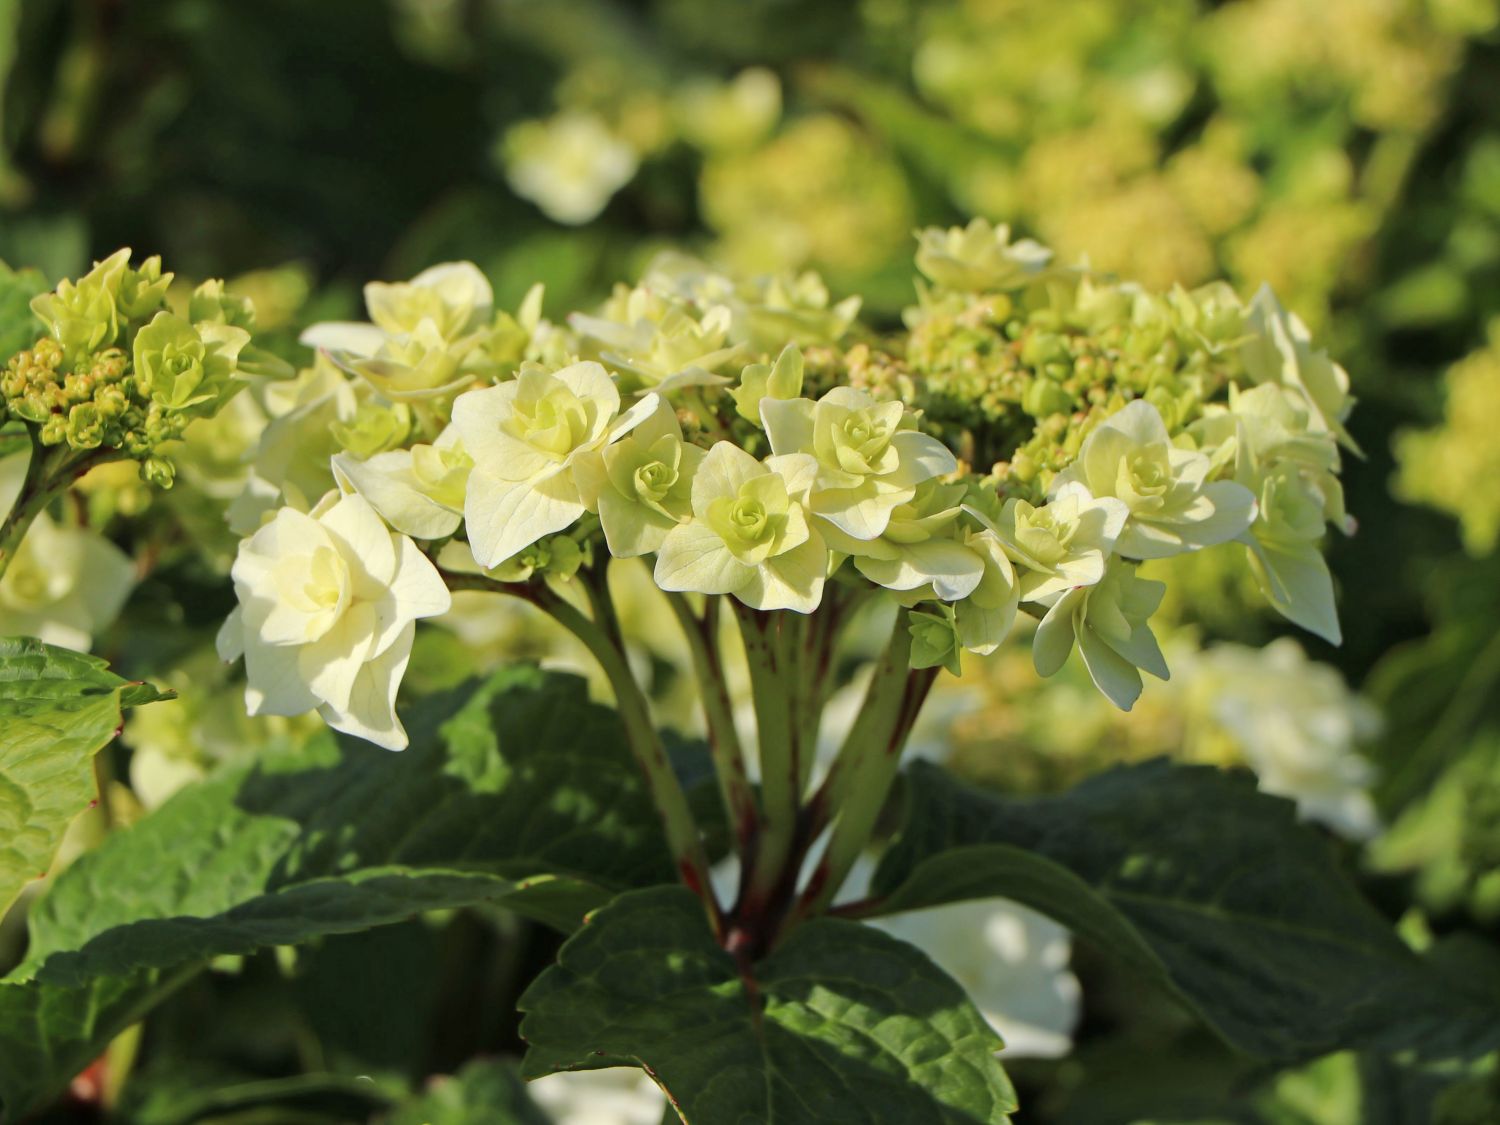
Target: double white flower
x=749, y=534
x=422, y=334
x=526, y=437
x=1173, y=506
x=868, y=463
x=327, y=613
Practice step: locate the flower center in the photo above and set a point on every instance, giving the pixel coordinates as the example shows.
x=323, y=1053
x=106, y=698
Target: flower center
x=1042, y=537
x=749, y=519
x=553, y=424
x=1145, y=475
x=654, y=480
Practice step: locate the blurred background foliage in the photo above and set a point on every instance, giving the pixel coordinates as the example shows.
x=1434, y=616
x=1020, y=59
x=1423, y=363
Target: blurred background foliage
x=1346, y=151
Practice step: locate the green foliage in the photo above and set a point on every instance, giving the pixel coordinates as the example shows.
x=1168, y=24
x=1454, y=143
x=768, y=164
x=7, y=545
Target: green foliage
x=1202, y=883
x=841, y=1023
x=57, y=710
x=19, y=326
x=516, y=791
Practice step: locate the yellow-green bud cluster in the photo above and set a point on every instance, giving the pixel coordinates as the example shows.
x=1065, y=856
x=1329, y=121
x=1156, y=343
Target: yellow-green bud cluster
x=118, y=371
x=96, y=404
x=1018, y=389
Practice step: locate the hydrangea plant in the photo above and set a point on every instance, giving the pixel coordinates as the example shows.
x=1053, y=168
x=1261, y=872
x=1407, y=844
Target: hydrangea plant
x=788, y=479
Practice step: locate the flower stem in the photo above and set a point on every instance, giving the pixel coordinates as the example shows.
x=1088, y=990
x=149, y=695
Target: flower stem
x=645, y=743
x=48, y=473
x=860, y=780
x=724, y=743
x=771, y=677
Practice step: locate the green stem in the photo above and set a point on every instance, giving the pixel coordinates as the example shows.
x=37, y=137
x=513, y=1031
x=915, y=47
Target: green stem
x=596, y=587
x=780, y=795
x=40, y=485
x=724, y=743
x=861, y=777
x=645, y=743
x=820, y=649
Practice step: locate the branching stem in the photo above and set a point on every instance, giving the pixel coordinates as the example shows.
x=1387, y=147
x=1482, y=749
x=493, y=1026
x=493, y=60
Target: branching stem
x=860, y=780
x=49, y=472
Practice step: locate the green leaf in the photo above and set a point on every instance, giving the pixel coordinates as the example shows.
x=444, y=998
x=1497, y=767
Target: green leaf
x=841, y=1023
x=57, y=710
x=483, y=1093
x=50, y=1033
x=518, y=791
x=19, y=327
x=1203, y=884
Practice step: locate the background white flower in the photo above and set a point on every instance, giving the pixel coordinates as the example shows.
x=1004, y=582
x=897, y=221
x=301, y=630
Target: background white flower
x=568, y=166
x=1297, y=726
x=617, y=1096
x=1012, y=961
x=65, y=584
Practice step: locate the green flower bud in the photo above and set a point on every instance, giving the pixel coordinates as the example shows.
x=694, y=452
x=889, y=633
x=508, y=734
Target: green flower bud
x=86, y=427
x=373, y=429
x=934, y=639
x=142, y=292
x=1044, y=398
x=179, y=365
x=159, y=471
x=83, y=316
x=210, y=302
x=763, y=380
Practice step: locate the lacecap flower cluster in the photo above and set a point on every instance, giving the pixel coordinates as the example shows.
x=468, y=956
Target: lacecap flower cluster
x=1031, y=436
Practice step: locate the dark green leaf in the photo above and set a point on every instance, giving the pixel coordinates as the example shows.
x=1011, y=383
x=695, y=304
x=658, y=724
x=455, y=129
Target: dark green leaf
x=519, y=791
x=842, y=1023
x=1204, y=884
x=57, y=710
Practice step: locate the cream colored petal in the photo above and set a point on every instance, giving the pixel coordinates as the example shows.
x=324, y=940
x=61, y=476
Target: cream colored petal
x=503, y=517
x=693, y=558
x=371, y=713
x=365, y=542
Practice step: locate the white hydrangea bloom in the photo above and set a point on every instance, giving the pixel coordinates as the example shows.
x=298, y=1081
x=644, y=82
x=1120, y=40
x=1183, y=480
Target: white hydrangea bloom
x=1173, y=506
x=979, y=257
x=328, y=607
x=422, y=335
x=524, y=437
x=454, y=298
x=569, y=166
x=1110, y=622
x=868, y=463
x=749, y=535
x=64, y=585
x=1061, y=545
x=1279, y=350
x=418, y=491
x=1297, y=726
x=1266, y=436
